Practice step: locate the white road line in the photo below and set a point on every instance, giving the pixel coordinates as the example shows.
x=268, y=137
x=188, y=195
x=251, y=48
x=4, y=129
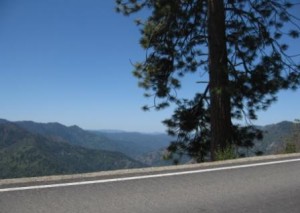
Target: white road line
x=145, y=176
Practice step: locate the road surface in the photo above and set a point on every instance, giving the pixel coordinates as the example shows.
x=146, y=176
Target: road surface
x=262, y=186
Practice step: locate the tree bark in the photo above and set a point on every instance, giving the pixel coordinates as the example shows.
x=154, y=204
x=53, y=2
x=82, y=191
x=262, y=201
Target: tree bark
x=221, y=126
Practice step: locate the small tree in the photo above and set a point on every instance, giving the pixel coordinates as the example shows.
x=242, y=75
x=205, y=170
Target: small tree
x=236, y=45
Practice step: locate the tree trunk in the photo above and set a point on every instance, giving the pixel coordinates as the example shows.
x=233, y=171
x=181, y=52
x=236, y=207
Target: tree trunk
x=221, y=126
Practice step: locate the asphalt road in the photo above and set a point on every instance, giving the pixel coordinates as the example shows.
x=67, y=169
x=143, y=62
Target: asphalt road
x=236, y=187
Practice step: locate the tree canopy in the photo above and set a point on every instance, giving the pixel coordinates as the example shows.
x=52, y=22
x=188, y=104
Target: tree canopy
x=240, y=46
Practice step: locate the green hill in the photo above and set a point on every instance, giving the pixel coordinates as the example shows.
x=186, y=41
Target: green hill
x=139, y=146
x=72, y=135
x=132, y=144
x=145, y=148
x=24, y=154
x=275, y=137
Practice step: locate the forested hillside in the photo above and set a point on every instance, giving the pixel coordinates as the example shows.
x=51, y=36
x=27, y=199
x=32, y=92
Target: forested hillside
x=24, y=154
x=132, y=144
x=276, y=136
x=33, y=149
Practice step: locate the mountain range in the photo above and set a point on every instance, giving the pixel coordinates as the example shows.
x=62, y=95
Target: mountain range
x=23, y=154
x=33, y=149
x=82, y=150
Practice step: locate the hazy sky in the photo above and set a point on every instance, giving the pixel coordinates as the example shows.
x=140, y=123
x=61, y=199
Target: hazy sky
x=69, y=61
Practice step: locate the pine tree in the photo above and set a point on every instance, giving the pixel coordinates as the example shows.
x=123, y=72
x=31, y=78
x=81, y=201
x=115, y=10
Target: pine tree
x=238, y=44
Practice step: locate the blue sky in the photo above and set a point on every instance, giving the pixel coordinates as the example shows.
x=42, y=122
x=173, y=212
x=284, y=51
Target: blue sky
x=69, y=61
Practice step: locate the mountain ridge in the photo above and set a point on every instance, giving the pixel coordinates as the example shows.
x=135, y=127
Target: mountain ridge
x=146, y=148
x=24, y=154
x=132, y=144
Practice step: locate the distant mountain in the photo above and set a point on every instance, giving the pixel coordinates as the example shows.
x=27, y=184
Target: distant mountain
x=73, y=134
x=148, y=149
x=24, y=154
x=3, y=121
x=133, y=144
x=136, y=144
x=275, y=137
